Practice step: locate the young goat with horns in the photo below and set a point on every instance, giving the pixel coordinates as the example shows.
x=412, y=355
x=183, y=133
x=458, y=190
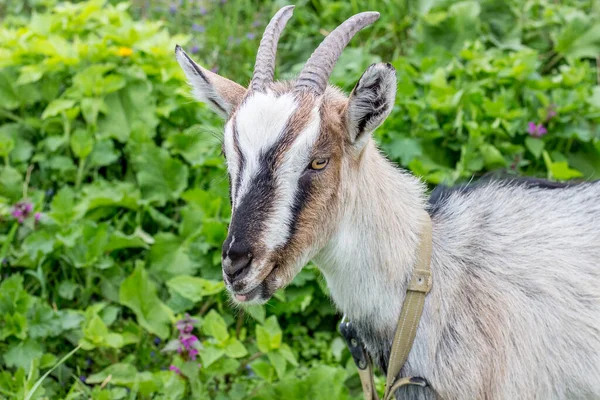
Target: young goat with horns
x=514, y=311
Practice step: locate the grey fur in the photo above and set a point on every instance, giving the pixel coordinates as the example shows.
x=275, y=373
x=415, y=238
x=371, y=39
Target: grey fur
x=514, y=312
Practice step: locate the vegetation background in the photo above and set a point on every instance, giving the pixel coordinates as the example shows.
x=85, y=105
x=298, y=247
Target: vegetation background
x=113, y=193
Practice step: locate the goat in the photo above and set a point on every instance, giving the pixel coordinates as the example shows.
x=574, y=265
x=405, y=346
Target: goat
x=514, y=312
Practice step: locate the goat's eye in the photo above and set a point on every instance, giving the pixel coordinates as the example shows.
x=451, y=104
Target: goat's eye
x=319, y=163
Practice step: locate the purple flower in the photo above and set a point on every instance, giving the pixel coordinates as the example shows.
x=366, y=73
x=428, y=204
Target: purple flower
x=186, y=325
x=250, y=36
x=256, y=24
x=21, y=211
x=203, y=11
x=157, y=341
x=82, y=378
x=536, y=130
x=175, y=369
x=173, y=8
x=37, y=216
x=193, y=353
x=195, y=49
x=187, y=341
x=215, y=69
x=198, y=28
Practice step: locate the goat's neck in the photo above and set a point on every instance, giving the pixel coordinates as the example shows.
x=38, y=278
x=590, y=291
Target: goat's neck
x=370, y=256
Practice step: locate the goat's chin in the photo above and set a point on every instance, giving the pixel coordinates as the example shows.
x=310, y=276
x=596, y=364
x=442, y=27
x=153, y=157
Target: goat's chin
x=276, y=279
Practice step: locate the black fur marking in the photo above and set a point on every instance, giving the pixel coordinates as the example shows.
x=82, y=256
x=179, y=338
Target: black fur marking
x=216, y=104
x=236, y=146
x=199, y=72
x=378, y=105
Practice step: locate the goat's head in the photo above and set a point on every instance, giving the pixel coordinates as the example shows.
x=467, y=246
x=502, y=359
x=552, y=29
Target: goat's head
x=287, y=145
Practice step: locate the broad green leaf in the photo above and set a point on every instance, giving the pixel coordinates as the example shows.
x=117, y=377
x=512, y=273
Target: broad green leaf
x=139, y=294
x=38, y=243
x=82, y=143
x=278, y=362
x=272, y=327
x=214, y=325
x=263, y=340
x=20, y=355
x=169, y=257
x=287, y=353
x=11, y=183
x=118, y=240
x=235, y=349
x=263, y=369
x=194, y=288
x=257, y=312
x=535, y=146
x=160, y=177
x=120, y=373
x=209, y=354
x=63, y=205
x=56, y=107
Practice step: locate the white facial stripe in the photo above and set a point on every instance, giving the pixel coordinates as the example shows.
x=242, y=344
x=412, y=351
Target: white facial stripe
x=259, y=123
x=297, y=157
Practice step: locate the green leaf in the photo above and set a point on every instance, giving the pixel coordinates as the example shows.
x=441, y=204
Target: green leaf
x=89, y=246
x=278, y=362
x=56, y=107
x=103, y=154
x=535, y=146
x=209, y=354
x=119, y=240
x=263, y=369
x=139, y=294
x=20, y=355
x=82, y=143
x=169, y=257
x=287, y=353
x=11, y=183
x=160, y=177
x=235, y=349
x=560, y=170
x=194, y=288
x=38, y=243
x=214, y=325
x=63, y=205
x=263, y=340
x=120, y=373
x=275, y=334
x=492, y=156
x=256, y=311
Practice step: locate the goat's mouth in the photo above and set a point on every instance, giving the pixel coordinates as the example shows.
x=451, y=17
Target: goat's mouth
x=262, y=292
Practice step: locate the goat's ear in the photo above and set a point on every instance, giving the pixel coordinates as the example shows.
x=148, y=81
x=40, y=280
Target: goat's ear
x=371, y=101
x=221, y=94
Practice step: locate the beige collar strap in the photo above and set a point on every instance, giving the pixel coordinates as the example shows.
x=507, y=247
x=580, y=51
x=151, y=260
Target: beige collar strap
x=412, y=308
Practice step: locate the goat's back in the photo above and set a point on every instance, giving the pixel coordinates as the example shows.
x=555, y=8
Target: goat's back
x=515, y=309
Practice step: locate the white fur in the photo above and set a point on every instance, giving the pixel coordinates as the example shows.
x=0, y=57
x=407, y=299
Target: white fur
x=260, y=121
x=295, y=162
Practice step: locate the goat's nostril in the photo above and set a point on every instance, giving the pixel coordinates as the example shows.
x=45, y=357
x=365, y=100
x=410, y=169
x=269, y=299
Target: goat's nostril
x=238, y=267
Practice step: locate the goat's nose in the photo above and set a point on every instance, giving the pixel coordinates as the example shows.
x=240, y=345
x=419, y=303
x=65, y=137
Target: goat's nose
x=236, y=263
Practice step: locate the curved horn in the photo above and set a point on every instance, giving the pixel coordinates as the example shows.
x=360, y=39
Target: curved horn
x=318, y=68
x=264, y=68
